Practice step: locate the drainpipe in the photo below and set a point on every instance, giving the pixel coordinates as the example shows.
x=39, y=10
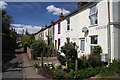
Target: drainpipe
x=109, y=35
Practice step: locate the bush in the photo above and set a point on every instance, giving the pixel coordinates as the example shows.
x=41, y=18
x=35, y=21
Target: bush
x=111, y=70
x=97, y=50
x=115, y=66
x=39, y=48
x=27, y=41
x=83, y=73
x=83, y=63
x=57, y=66
x=36, y=65
x=105, y=72
x=71, y=66
x=62, y=59
x=70, y=51
x=59, y=74
x=94, y=60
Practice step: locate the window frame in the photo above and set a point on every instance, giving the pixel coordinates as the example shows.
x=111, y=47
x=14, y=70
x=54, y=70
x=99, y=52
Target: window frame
x=59, y=28
x=92, y=45
x=68, y=24
x=93, y=15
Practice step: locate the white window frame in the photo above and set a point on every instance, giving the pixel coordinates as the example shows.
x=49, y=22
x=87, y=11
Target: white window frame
x=80, y=44
x=94, y=14
x=68, y=24
x=92, y=44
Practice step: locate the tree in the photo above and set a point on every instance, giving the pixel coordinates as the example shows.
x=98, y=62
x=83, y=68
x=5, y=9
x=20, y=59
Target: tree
x=26, y=41
x=6, y=21
x=70, y=51
x=39, y=48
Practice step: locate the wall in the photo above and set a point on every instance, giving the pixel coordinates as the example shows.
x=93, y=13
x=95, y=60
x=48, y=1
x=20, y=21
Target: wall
x=29, y=53
x=80, y=20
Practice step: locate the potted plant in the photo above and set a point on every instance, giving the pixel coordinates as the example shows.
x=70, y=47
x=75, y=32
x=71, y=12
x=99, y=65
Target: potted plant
x=36, y=66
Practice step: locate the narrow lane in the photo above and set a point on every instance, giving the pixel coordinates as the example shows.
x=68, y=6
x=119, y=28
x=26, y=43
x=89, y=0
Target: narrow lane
x=12, y=65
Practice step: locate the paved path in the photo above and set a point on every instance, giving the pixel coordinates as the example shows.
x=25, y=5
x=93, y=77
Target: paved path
x=19, y=67
x=10, y=69
x=28, y=69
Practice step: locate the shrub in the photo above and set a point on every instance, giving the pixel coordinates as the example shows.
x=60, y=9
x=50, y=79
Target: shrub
x=26, y=41
x=59, y=74
x=83, y=73
x=36, y=65
x=70, y=74
x=94, y=60
x=57, y=66
x=82, y=63
x=39, y=48
x=62, y=59
x=70, y=51
x=71, y=66
x=97, y=50
x=115, y=66
x=105, y=72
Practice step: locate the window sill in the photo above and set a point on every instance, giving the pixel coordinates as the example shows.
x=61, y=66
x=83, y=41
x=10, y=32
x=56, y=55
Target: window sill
x=68, y=31
x=93, y=25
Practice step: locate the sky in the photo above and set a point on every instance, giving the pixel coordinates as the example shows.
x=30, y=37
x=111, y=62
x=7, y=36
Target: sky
x=34, y=15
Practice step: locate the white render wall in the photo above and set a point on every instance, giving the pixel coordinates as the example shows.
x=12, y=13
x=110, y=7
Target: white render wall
x=81, y=19
x=57, y=36
x=45, y=32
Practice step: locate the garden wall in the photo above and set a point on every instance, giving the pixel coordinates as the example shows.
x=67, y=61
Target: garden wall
x=48, y=59
x=29, y=53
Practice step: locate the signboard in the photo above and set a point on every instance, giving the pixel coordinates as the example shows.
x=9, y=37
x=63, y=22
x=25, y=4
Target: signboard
x=101, y=27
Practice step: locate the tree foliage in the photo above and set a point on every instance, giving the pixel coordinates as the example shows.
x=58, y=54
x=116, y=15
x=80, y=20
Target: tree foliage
x=6, y=21
x=27, y=40
x=70, y=51
x=39, y=48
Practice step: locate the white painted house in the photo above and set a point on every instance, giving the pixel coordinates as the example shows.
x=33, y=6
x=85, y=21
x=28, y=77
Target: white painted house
x=95, y=23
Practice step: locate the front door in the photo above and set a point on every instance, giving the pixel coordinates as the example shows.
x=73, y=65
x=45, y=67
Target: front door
x=55, y=44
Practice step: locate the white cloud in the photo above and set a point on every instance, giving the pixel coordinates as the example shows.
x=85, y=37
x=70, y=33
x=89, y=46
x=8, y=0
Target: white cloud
x=20, y=27
x=3, y=5
x=57, y=11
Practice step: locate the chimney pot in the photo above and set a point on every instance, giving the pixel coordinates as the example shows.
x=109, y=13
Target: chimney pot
x=51, y=22
x=45, y=25
x=61, y=16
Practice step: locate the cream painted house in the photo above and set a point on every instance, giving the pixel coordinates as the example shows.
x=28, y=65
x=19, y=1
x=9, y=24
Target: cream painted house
x=96, y=23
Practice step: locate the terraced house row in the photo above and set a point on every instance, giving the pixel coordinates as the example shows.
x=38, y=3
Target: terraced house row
x=92, y=24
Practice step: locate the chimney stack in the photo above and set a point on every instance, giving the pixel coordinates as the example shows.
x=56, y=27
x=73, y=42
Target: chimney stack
x=52, y=22
x=79, y=4
x=61, y=16
x=45, y=25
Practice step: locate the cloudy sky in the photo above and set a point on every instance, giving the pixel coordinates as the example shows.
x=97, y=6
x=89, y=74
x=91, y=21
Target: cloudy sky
x=34, y=15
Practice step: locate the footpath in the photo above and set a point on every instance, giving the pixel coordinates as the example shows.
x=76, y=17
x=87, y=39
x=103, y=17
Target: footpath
x=29, y=70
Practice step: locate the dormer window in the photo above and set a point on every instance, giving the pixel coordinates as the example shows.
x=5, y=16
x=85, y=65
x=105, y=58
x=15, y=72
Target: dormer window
x=93, y=16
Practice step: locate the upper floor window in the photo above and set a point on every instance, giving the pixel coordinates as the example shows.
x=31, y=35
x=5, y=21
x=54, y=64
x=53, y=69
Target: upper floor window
x=93, y=15
x=58, y=28
x=68, y=24
x=50, y=32
x=46, y=34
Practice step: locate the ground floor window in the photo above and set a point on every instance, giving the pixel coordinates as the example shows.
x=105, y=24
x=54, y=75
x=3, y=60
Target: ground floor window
x=59, y=44
x=82, y=45
x=93, y=42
